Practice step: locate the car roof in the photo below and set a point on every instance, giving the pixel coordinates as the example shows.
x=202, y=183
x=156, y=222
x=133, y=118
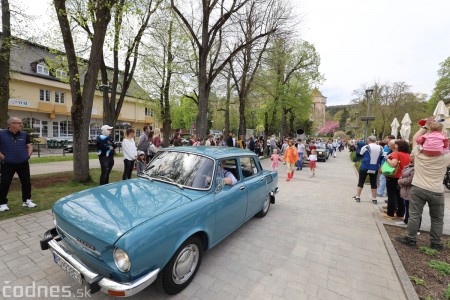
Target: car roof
x=216, y=152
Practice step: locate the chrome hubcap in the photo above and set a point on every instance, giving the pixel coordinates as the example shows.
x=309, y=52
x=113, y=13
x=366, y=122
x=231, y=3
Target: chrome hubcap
x=266, y=204
x=185, y=264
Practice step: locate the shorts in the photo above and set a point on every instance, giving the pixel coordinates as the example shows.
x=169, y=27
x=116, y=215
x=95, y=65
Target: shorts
x=362, y=178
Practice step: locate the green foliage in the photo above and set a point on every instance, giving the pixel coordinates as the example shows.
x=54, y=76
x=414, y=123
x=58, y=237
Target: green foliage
x=447, y=292
x=428, y=251
x=417, y=281
x=184, y=112
x=442, y=88
x=442, y=267
x=343, y=119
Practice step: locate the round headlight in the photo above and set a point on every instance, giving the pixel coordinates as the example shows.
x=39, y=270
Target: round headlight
x=121, y=260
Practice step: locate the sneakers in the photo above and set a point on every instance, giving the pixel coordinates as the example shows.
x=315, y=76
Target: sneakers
x=407, y=241
x=374, y=201
x=29, y=203
x=4, y=207
x=439, y=247
x=356, y=198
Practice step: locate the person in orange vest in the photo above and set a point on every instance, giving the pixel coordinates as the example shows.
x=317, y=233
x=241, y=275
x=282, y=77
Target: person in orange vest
x=291, y=158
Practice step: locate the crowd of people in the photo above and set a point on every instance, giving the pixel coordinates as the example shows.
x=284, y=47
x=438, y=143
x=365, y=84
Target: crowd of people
x=414, y=178
x=410, y=177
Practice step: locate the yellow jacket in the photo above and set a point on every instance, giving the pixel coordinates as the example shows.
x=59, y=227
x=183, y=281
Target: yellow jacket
x=291, y=155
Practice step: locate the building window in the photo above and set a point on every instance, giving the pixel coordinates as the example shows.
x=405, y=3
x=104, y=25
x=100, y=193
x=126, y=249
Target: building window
x=34, y=124
x=59, y=97
x=148, y=112
x=44, y=129
x=61, y=74
x=42, y=69
x=44, y=95
x=65, y=129
x=94, y=130
x=55, y=129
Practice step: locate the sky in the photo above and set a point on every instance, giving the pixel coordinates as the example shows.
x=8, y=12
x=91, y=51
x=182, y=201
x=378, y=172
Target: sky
x=361, y=42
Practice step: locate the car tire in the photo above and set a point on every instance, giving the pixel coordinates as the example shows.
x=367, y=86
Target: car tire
x=183, y=266
x=265, y=209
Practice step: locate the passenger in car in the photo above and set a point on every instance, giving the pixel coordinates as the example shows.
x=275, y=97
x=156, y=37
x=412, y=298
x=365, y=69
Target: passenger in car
x=228, y=177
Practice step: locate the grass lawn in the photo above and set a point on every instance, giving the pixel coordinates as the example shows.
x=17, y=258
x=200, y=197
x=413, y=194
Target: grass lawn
x=67, y=157
x=48, y=188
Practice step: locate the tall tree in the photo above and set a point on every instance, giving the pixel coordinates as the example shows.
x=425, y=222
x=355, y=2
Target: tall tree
x=291, y=71
x=125, y=44
x=442, y=89
x=258, y=18
x=164, y=66
x=210, y=38
x=389, y=101
x=82, y=98
x=5, y=53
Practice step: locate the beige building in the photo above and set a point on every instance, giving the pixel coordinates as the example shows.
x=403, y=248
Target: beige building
x=40, y=95
x=318, y=108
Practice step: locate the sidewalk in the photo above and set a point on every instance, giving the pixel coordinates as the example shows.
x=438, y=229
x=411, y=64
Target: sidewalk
x=315, y=243
x=63, y=166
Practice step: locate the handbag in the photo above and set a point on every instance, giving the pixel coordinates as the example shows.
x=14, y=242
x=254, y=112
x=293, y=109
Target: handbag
x=388, y=170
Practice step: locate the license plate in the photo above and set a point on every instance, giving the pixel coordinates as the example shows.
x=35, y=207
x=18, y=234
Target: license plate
x=68, y=268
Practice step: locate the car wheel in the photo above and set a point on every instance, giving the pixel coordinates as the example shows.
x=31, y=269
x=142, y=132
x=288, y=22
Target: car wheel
x=183, y=266
x=266, y=205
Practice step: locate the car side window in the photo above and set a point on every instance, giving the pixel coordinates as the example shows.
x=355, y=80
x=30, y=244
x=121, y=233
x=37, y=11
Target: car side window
x=248, y=166
x=232, y=166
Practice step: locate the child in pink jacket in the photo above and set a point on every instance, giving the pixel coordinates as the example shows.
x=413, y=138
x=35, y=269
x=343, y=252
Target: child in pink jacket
x=275, y=158
x=434, y=143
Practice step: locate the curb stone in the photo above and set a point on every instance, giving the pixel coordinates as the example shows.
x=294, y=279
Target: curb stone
x=407, y=287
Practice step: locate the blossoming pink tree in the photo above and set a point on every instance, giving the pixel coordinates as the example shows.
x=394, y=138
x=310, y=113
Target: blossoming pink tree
x=328, y=128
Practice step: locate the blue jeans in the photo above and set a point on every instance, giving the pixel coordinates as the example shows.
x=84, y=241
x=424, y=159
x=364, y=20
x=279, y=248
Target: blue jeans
x=382, y=187
x=300, y=161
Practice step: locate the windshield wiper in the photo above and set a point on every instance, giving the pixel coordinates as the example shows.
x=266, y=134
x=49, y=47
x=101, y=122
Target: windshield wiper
x=145, y=175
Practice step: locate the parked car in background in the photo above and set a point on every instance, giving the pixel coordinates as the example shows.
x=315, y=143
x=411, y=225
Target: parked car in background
x=322, y=153
x=121, y=237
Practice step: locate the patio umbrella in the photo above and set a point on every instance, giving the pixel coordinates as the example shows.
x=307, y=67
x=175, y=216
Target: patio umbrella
x=441, y=111
x=394, y=126
x=405, y=131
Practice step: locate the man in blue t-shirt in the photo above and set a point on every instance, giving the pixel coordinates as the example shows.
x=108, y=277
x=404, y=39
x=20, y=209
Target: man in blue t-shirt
x=15, y=151
x=371, y=155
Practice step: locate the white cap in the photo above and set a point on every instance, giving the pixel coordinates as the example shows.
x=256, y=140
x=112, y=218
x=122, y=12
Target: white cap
x=140, y=152
x=106, y=127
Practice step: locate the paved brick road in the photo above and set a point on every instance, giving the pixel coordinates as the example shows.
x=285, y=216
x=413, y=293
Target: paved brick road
x=315, y=243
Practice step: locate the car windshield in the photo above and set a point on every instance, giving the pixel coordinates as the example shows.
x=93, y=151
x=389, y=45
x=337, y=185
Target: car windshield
x=182, y=169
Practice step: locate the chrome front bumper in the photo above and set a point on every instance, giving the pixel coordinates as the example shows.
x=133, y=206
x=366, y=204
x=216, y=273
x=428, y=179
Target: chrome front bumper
x=95, y=281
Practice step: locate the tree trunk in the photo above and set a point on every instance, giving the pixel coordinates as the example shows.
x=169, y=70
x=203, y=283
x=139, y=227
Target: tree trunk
x=82, y=101
x=5, y=53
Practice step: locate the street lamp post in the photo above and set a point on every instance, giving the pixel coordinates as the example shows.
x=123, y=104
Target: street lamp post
x=356, y=126
x=368, y=118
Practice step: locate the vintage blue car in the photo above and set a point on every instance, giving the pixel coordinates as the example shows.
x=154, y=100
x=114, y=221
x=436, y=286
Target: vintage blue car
x=121, y=237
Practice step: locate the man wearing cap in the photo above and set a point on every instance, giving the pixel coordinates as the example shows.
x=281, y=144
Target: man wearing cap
x=105, y=148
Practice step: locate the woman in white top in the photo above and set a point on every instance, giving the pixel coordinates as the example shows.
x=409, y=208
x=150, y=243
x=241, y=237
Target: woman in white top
x=129, y=153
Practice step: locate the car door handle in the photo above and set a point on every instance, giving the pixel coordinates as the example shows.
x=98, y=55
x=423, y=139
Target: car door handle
x=262, y=179
x=242, y=187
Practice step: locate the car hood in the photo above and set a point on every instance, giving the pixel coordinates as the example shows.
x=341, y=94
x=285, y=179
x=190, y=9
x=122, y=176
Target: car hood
x=107, y=212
